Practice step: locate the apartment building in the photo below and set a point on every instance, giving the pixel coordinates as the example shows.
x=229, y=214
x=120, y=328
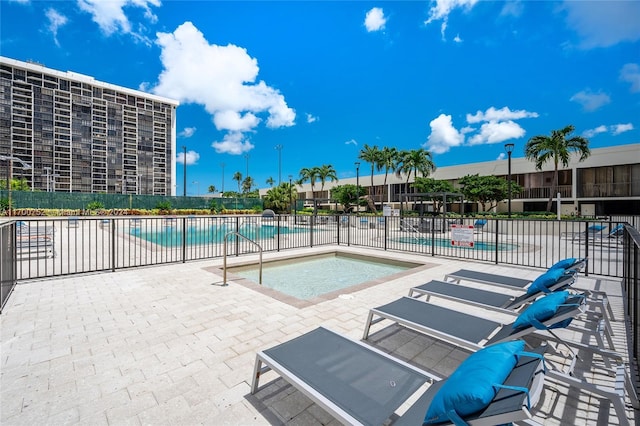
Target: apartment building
x=67, y=132
x=608, y=182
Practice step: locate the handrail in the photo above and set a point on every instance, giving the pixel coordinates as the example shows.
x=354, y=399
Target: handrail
x=224, y=256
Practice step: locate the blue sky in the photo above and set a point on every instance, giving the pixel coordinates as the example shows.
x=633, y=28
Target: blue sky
x=321, y=79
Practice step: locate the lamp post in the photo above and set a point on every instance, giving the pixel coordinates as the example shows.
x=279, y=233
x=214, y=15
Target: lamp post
x=509, y=148
x=246, y=156
x=279, y=148
x=23, y=165
x=222, y=189
x=358, y=184
x=184, y=165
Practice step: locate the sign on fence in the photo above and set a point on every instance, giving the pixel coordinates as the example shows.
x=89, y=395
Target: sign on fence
x=462, y=235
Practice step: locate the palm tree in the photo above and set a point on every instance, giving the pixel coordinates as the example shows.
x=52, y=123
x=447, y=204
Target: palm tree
x=270, y=181
x=414, y=161
x=372, y=155
x=557, y=148
x=237, y=176
x=211, y=189
x=247, y=184
x=388, y=161
x=309, y=174
x=326, y=172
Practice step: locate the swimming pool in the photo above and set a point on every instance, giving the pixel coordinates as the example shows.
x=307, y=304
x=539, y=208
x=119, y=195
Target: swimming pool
x=311, y=276
x=444, y=242
x=171, y=236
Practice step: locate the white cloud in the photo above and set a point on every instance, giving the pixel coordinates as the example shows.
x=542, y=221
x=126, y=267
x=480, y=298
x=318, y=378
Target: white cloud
x=233, y=143
x=375, y=19
x=512, y=8
x=442, y=8
x=631, y=74
x=501, y=156
x=311, y=118
x=223, y=80
x=614, y=129
x=192, y=157
x=591, y=101
x=457, y=39
x=493, y=114
x=234, y=121
x=603, y=23
x=351, y=142
x=187, y=132
x=110, y=16
x=496, y=132
x=56, y=20
x=20, y=1
x=443, y=135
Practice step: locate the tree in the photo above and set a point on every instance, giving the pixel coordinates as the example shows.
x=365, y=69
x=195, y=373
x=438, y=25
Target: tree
x=309, y=174
x=487, y=189
x=280, y=198
x=237, y=176
x=247, y=184
x=558, y=149
x=388, y=161
x=414, y=161
x=429, y=185
x=270, y=181
x=211, y=189
x=326, y=172
x=372, y=155
x=348, y=195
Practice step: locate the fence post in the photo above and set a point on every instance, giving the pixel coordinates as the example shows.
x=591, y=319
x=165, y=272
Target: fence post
x=586, y=247
x=113, y=245
x=497, y=236
x=184, y=239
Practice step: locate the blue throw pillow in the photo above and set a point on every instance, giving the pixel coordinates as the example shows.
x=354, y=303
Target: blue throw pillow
x=564, y=263
x=471, y=387
x=541, y=310
x=546, y=280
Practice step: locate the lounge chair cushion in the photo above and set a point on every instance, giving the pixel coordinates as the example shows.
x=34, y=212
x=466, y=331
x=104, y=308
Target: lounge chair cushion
x=541, y=310
x=564, y=263
x=546, y=280
x=472, y=386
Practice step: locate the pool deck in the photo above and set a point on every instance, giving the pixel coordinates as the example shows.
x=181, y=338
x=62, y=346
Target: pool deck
x=170, y=345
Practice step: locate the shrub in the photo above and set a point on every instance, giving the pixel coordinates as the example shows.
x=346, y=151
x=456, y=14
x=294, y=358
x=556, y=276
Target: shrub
x=95, y=205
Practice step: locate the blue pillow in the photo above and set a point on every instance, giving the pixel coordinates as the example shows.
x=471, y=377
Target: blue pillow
x=541, y=310
x=546, y=280
x=564, y=263
x=471, y=387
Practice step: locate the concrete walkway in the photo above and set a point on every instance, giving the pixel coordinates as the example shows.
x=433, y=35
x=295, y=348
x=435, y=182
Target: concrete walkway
x=169, y=345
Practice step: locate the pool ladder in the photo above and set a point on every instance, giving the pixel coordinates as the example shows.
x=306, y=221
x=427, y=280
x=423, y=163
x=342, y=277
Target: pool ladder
x=224, y=261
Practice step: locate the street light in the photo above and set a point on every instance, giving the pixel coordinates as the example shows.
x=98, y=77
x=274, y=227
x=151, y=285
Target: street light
x=184, y=165
x=222, y=189
x=279, y=148
x=246, y=156
x=24, y=166
x=290, y=195
x=509, y=148
x=358, y=185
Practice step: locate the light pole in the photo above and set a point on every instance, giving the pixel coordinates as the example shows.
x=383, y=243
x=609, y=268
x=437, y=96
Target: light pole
x=184, y=165
x=279, y=148
x=24, y=166
x=195, y=182
x=246, y=156
x=509, y=148
x=358, y=185
x=222, y=189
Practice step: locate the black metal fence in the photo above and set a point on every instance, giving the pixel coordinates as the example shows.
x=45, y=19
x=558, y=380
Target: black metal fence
x=630, y=283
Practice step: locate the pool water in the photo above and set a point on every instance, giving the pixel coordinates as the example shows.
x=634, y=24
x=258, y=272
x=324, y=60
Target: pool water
x=444, y=242
x=312, y=276
x=168, y=236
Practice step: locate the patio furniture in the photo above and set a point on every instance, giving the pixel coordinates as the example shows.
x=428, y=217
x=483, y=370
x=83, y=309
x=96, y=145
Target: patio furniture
x=343, y=377
x=34, y=241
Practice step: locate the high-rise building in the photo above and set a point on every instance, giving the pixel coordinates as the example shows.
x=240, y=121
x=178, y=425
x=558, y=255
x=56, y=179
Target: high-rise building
x=67, y=132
